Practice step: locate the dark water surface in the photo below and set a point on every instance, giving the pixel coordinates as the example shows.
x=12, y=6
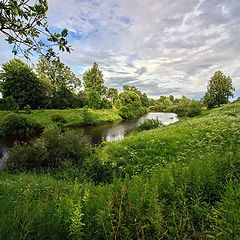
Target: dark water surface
x=97, y=134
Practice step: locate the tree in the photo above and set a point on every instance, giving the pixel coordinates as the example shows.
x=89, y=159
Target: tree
x=57, y=74
x=130, y=105
x=93, y=80
x=112, y=94
x=24, y=23
x=20, y=82
x=143, y=96
x=61, y=82
x=219, y=90
x=94, y=86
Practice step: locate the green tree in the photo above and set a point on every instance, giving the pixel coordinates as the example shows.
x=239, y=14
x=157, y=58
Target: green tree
x=219, y=90
x=130, y=105
x=94, y=86
x=61, y=82
x=20, y=82
x=143, y=96
x=112, y=94
x=23, y=22
x=57, y=73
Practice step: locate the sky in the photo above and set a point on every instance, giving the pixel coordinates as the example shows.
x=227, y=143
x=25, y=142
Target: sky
x=162, y=47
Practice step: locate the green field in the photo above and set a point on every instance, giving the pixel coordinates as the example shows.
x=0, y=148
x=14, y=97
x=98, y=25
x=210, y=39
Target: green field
x=176, y=182
x=73, y=117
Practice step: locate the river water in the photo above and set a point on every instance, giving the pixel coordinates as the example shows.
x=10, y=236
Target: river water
x=97, y=134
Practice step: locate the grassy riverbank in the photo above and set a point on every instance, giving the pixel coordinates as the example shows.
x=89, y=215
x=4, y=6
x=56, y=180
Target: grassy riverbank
x=71, y=117
x=176, y=182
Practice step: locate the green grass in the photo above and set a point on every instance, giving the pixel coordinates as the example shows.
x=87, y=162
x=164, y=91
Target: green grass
x=73, y=117
x=176, y=182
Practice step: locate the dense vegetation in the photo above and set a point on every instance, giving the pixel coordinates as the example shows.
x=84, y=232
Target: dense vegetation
x=13, y=123
x=174, y=182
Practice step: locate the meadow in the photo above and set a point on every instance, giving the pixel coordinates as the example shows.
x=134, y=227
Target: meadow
x=175, y=182
x=67, y=117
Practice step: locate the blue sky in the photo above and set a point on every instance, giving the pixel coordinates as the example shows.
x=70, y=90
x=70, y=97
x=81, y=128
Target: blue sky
x=162, y=47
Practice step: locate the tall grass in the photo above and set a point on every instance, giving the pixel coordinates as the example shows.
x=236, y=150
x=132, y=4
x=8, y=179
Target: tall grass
x=177, y=182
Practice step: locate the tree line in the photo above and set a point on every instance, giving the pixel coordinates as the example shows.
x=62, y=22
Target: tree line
x=53, y=85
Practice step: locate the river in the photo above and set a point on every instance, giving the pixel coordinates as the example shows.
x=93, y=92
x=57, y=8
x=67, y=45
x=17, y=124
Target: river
x=97, y=134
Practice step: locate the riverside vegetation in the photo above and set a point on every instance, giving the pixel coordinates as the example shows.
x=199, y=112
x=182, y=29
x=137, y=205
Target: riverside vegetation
x=175, y=182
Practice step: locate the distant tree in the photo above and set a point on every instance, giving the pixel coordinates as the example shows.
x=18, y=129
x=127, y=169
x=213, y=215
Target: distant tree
x=93, y=80
x=112, y=94
x=143, y=96
x=171, y=98
x=94, y=86
x=219, y=90
x=23, y=22
x=61, y=82
x=19, y=82
x=130, y=104
x=57, y=73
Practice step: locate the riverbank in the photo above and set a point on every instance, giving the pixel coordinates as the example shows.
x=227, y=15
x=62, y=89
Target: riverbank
x=177, y=182
x=66, y=117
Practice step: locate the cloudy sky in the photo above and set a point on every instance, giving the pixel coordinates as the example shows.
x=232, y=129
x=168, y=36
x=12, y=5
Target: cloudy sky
x=162, y=47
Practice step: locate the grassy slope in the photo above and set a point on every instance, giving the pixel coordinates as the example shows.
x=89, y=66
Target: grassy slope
x=184, y=185
x=74, y=117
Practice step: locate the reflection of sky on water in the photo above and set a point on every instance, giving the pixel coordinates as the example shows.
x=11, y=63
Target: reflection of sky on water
x=115, y=132
x=97, y=134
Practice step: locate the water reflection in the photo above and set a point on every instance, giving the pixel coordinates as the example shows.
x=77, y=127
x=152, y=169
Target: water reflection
x=97, y=134
x=115, y=132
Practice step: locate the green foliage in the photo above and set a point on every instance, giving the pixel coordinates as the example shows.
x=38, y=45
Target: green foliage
x=50, y=151
x=27, y=109
x=124, y=112
x=64, y=98
x=73, y=117
x=143, y=96
x=93, y=80
x=14, y=123
x=94, y=87
x=58, y=118
x=94, y=99
x=8, y=103
x=61, y=83
x=184, y=106
x=112, y=94
x=148, y=124
x=19, y=82
x=130, y=105
x=23, y=22
x=57, y=74
x=175, y=182
x=219, y=90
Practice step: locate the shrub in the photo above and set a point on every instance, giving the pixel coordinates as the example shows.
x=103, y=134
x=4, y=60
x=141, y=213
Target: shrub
x=50, y=151
x=124, y=112
x=8, y=103
x=148, y=124
x=193, y=111
x=87, y=118
x=27, y=109
x=14, y=123
x=58, y=118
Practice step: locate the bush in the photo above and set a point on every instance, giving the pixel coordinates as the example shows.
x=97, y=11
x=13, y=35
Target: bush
x=58, y=118
x=50, y=151
x=124, y=112
x=14, y=123
x=8, y=103
x=193, y=111
x=148, y=124
x=27, y=109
